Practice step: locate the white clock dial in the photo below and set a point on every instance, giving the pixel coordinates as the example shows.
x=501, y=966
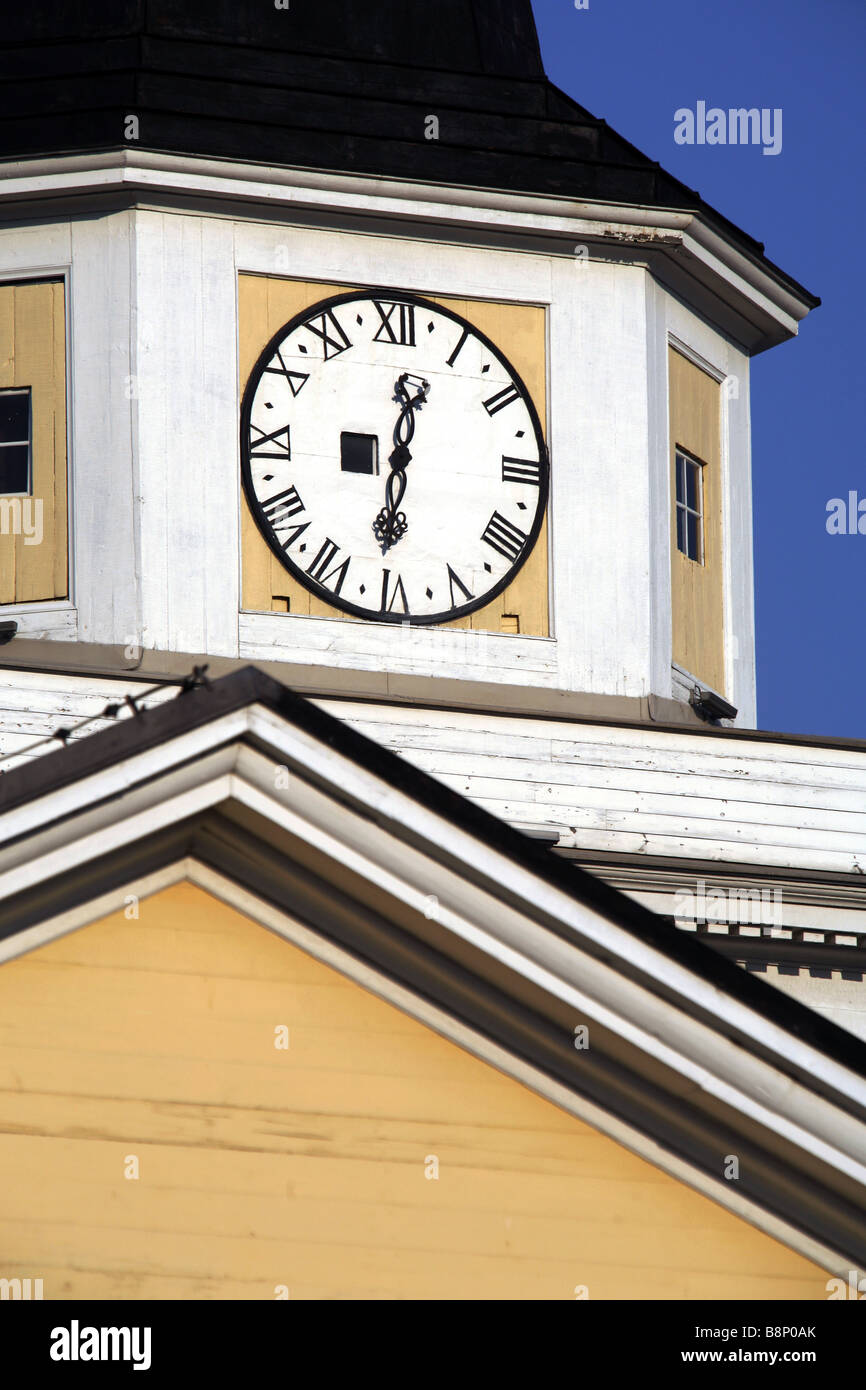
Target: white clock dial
x=393, y=459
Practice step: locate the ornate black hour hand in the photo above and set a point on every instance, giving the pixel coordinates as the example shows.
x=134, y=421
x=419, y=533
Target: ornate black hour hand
x=391, y=524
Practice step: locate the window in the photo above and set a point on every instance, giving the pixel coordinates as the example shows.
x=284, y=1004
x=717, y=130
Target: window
x=690, y=507
x=15, y=469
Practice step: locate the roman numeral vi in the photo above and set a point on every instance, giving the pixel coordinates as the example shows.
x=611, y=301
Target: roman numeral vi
x=387, y=605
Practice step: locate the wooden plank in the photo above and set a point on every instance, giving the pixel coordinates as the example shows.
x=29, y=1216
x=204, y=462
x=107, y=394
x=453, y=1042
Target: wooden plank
x=678, y=847
x=476, y=777
x=401, y=649
x=391, y=1141
x=469, y=1213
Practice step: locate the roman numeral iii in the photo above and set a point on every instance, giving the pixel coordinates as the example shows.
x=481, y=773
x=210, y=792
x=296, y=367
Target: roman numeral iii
x=502, y=535
x=521, y=471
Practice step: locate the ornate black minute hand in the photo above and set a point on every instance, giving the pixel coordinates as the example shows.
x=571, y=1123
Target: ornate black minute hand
x=390, y=525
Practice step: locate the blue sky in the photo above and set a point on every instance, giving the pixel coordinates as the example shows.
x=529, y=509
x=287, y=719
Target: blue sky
x=634, y=62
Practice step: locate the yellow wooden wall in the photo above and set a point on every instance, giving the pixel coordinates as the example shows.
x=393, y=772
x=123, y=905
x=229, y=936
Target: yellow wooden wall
x=697, y=590
x=306, y=1167
x=33, y=353
x=265, y=303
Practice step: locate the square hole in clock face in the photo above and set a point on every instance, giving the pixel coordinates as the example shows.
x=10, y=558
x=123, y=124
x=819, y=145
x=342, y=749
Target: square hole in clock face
x=359, y=453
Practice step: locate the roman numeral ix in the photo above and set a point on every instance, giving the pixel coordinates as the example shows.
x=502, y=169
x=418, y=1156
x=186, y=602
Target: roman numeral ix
x=502, y=535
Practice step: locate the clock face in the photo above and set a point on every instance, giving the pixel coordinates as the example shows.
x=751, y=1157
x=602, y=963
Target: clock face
x=392, y=458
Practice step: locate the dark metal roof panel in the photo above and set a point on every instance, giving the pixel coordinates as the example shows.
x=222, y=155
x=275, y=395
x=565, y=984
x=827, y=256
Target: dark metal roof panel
x=327, y=84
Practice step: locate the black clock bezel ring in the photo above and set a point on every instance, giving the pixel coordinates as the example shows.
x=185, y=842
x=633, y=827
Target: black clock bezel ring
x=313, y=586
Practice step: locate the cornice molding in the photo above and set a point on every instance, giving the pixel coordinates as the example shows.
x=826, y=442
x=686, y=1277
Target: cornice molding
x=754, y=303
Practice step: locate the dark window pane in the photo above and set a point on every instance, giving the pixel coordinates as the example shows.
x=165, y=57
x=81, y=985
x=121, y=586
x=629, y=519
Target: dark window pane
x=691, y=485
x=14, y=469
x=693, y=551
x=14, y=417
x=359, y=453
x=681, y=530
x=681, y=491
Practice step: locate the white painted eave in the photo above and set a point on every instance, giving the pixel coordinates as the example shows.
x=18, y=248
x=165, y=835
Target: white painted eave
x=742, y=282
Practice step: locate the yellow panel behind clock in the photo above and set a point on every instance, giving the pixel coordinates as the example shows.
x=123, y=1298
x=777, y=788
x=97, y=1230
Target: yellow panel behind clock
x=265, y=304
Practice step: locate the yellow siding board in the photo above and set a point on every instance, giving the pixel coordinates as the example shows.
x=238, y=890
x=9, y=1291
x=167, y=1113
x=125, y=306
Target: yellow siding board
x=448, y=1220
x=306, y=1167
x=352, y=1138
x=697, y=594
x=264, y=305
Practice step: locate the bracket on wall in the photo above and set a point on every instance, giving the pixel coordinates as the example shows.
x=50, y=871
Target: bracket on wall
x=711, y=706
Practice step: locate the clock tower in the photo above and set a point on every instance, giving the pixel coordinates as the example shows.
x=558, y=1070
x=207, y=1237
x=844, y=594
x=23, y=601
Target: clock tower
x=409, y=369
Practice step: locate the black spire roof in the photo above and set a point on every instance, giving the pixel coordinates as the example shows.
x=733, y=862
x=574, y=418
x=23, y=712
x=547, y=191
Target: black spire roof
x=342, y=85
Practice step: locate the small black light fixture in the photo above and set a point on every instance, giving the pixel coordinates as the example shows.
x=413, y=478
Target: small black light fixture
x=710, y=706
x=7, y=632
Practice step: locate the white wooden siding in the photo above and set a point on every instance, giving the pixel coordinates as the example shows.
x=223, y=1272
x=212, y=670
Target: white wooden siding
x=33, y=706
x=636, y=791
x=642, y=791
